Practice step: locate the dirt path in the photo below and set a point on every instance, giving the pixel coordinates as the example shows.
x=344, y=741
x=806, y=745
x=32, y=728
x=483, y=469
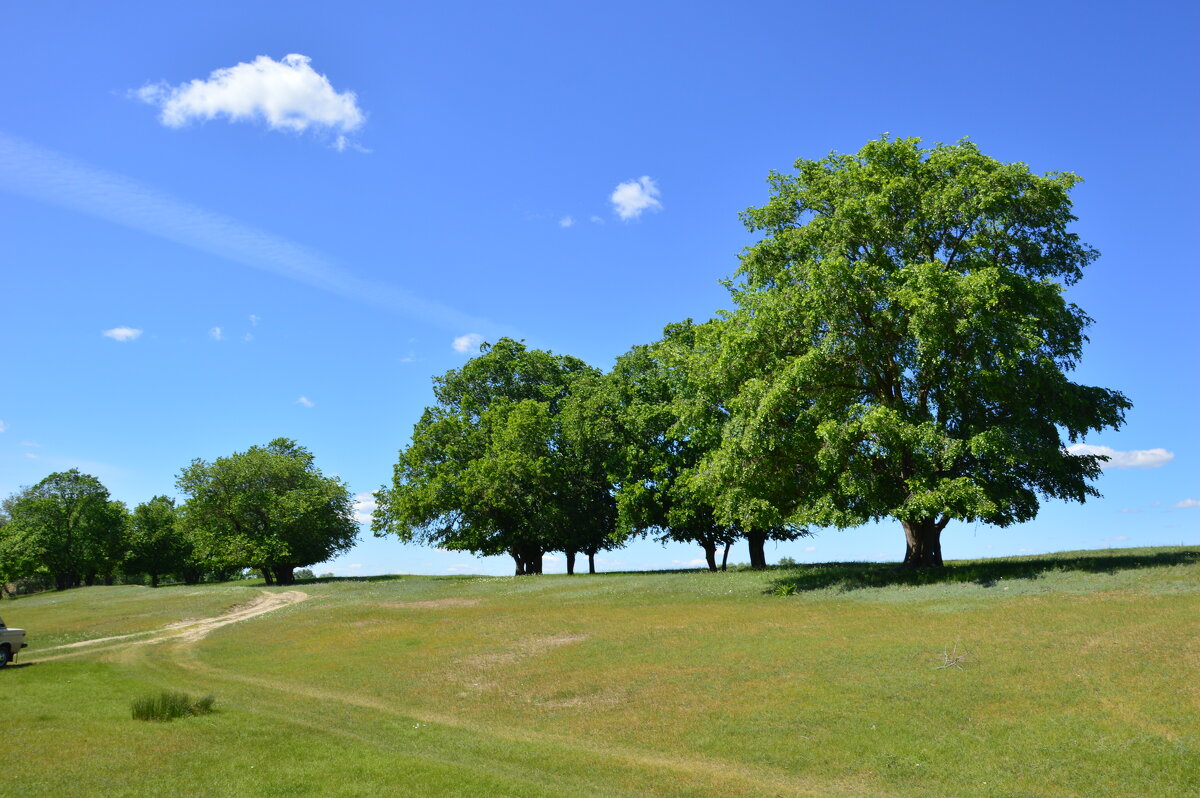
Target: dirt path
x=188, y=631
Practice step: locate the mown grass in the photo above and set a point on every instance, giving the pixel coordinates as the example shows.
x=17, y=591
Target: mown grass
x=1080, y=679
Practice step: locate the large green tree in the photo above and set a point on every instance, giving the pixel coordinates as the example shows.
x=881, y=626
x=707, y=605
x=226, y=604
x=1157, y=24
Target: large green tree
x=67, y=526
x=490, y=469
x=901, y=347
x=668, y=423
x=269, y=508
x=157, y=543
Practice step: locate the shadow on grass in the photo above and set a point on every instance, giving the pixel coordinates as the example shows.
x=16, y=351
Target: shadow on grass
x=986, y=573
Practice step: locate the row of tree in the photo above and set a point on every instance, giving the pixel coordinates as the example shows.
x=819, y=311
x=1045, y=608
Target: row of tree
x=268, y=508
x=899, y=348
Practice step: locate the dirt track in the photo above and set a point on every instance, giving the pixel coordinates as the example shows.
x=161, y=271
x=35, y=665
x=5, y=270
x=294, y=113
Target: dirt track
x=188, y=631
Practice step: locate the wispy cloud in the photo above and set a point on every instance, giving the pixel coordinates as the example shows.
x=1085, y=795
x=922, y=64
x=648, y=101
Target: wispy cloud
x=566, y=221
x=4, y=428
x=690, y=563
x=467, y=343
x=254, y=320
x=597, y=220
x=306, y=402
x=1116, y=539
x=1187, y=504
x=631, y=199
x=122, y=334
x=48, y=177
x=1134, y=458
x=286, y=95
x=364, y=507
x=215, y=333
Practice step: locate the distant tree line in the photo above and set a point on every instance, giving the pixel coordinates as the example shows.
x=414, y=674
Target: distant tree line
x=268, y=508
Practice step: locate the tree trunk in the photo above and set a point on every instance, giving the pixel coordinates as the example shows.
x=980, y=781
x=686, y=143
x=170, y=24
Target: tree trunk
x=108, y=580
x=267, y=577
x=153, y=580
x=62, y=581
x=284, y=575
x=923, y=542
x=520, y=564
x=591, y=562
x=758, y=554
x=725, y=556
x=570, y=562
x=710, y=554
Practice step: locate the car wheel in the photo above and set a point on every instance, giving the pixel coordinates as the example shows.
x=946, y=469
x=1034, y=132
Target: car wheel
x=4, y=656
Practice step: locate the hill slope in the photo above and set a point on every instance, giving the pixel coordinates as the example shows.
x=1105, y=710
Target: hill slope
x=1073, y=674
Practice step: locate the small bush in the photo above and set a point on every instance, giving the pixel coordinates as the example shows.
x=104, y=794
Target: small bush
x=169, y=705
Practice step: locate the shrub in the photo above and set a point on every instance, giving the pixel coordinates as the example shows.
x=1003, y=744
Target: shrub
x=170, y=704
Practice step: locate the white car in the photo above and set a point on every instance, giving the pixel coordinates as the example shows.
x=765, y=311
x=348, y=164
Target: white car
x=11, y=641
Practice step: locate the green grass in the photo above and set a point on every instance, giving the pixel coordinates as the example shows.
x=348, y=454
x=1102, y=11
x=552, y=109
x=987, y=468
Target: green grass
x=168, y=705
x=1080, y=678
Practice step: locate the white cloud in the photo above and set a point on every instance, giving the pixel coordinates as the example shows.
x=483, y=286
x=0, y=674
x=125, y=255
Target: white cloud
x=630, y=199
x=3, y=426
x=1186, y=504
x=31, y=455
x=810, y=548
x=122, y=333
x=566, y=221
x=690, y=563
x=304, y=400
x=597, y=220
x=1130, y=511
x=287, y=95
x=248, y=337
x=364, y=507
x=253, y=320
x=468, y=342
x=215, y=333
x=1134, y=458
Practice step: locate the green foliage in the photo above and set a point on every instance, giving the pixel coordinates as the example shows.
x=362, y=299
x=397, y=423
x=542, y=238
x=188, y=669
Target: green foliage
x=66, y=526
x=157, y=543
x=269, y=508
x=168, y=705
x=501, y=465
x=901, y=345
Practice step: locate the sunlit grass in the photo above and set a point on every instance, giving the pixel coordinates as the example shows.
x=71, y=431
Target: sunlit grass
x=1079, y=679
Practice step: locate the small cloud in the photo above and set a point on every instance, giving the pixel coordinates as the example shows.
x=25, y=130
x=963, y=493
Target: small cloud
x=409, y=358
x=566, y=221
x=215, y=333
x=1024, y=551
x=248, y=337
x=810, y=548
x=464, y=568
x=1129, y=511
x=3, y=426
x=287, y=95
x=1116, y=539
x=1134, y=458
x=690, y=563
x=31, y=455
x=122, y=334
x=304, y=400
x=468, y=342
x=253, y=320
x=33, y=444
x=596, y=220
x=1187, y=504
x=631, y=199
x=364, y=507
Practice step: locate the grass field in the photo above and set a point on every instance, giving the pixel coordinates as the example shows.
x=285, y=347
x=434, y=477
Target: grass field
x=1065, y=675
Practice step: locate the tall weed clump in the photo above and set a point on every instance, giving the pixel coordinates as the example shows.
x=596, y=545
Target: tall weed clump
x=170, y=704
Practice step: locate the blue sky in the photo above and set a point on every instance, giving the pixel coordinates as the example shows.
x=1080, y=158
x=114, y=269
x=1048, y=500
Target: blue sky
x=299, y=209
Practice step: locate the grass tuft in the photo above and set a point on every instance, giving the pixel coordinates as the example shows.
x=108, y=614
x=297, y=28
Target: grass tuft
x=170, y=704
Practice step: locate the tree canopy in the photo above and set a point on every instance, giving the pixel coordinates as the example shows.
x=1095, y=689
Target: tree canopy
x=901, y=345
x=268, y=507
x=66, y=526
x=491, y=468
